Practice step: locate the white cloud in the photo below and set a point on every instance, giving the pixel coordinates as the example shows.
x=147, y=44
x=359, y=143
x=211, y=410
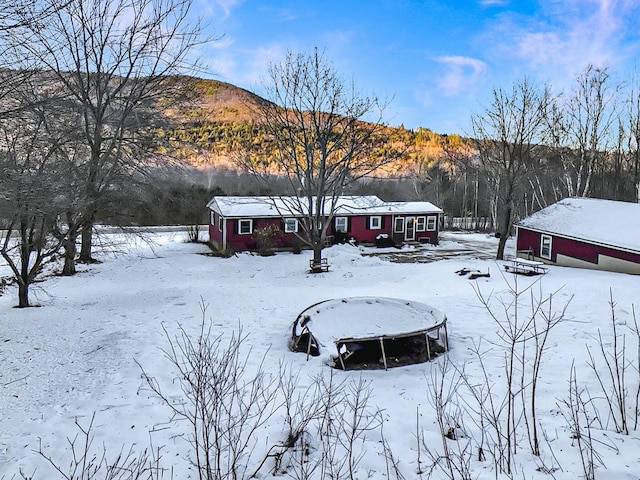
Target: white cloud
x=338, y=39
x=461, y=73
x=493, y=3
x=567, y=35
x=209, y=8
x=223, y=42
x=424, y=98
x=257, y=63
x=223, y=66
x=228, y=5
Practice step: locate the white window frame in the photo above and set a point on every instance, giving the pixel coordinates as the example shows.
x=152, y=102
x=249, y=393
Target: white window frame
x=421, y=224
x=220, y=222
x=375, y=222
x=398, y=225
x=290, y=225
x=546, y=241
x=341, y=220
x=245, y=221
x=431, y=223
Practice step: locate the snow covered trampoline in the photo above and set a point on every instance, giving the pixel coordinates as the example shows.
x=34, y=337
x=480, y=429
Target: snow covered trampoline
x=370, y=332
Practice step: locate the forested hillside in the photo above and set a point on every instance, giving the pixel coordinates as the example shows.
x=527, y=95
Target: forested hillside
x=222, y=122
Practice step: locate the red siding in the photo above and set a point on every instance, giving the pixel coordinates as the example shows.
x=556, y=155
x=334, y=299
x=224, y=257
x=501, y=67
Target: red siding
x=245, y=241
x=528, y=240
x=215, y=235
x=360, y=231
x=585, y=251
x=430, y=236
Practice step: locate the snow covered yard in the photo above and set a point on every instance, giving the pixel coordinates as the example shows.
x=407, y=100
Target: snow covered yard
x=78, y=353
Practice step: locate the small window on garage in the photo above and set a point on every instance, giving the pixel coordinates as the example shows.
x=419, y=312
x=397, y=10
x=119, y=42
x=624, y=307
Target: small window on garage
x=290, y=225
x=421, y=224
x=431, y=223
x=545, y=246
x=245, y=226
x=220, y=222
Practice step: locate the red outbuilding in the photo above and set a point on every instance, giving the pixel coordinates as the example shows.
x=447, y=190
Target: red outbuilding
x=364, y=219
x=583, y=232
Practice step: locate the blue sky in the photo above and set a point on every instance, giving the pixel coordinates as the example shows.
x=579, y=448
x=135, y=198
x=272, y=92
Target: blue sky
x=438, y=61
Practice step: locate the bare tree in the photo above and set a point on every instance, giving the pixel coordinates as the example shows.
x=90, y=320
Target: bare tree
x=507, y=136
x=321, y=141
x=633, y=124
x=30, y=202
x=589, y=115
x=224, y=406
x=117, y=61
x=17, y=14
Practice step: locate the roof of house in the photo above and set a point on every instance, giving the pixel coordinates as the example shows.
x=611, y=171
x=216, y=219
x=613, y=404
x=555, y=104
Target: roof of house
x=264, y=206
x=606, y=222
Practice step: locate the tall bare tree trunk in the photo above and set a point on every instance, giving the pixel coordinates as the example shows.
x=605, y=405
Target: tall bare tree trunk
x=70, y=251
x=317, y=252
x=23, y=295
x=86, y=243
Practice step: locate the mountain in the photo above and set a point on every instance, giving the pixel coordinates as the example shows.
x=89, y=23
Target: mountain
x=209, y=129
x=223, y=102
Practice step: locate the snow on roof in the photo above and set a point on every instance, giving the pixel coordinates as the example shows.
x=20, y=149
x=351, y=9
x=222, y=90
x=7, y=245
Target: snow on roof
x=249, y=206
x=264, y=206
x=595, y=220
x=365, y=317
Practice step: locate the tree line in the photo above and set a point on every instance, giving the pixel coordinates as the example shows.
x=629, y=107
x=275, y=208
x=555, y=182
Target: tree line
x=528, y=147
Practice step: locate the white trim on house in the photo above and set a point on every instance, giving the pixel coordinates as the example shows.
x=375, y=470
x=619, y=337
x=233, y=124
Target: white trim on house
x=398, y=225
x=410, y=228
x=546, y=243
x=245, y=231
x=341, y=224
x=431, y=223
x=290, y=225
x=421, y=223
x=375, y=222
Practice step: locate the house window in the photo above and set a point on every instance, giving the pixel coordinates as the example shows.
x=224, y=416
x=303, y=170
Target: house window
x=545, y=246
x=290, y=225
x=421, y=224
x=220, y=222
x=245, y=226
x=398, y=225
x=431, y=223
x=341, y=224
x=375, y=223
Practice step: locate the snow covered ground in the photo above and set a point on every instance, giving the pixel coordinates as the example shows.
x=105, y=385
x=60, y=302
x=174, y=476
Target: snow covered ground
x=79, y=353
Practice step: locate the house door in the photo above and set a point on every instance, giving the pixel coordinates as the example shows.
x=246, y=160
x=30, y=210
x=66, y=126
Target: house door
x=410, y=228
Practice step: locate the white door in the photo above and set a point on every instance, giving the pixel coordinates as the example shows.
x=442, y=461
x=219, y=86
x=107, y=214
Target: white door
x=410, y=228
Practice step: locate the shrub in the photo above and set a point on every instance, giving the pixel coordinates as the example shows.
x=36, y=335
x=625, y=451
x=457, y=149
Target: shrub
x=265, y=238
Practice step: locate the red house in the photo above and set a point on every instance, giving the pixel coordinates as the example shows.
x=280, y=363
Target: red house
x=583, y=232
x=234, y=219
